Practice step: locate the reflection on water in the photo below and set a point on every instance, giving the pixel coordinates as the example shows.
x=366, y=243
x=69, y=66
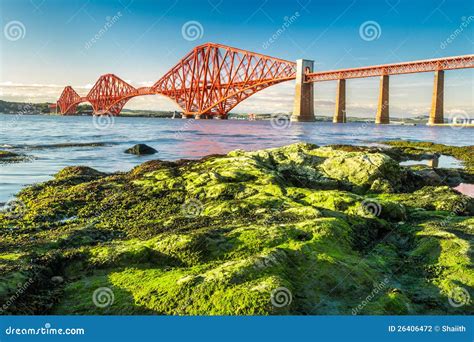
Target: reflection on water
x=466, y=189
x=174, y=139
x=442, y=161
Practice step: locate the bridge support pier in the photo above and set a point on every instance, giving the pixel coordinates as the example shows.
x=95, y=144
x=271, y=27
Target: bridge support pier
x=340, y=112
x=382, y=116
x=202, y=116
x=303, y=108
x=437, y=102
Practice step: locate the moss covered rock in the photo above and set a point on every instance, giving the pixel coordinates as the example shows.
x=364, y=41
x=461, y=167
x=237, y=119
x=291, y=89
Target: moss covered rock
x=365, y=171
x=299, y=229
x=11, y=157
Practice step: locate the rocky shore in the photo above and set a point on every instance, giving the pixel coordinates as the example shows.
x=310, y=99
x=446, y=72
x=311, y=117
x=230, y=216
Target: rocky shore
x=299, y=230
x=11, y=157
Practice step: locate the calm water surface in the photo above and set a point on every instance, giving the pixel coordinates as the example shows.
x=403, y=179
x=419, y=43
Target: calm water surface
x=174, y=139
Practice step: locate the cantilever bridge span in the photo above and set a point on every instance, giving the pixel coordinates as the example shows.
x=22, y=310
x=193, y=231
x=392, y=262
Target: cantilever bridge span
x=210, y=80
x=213, y=78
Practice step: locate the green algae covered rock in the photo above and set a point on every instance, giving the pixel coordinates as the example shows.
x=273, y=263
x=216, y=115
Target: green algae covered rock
x=82, y=172
x=373, y=171
x=7, y=157
x=299, y=229
x=7, y=154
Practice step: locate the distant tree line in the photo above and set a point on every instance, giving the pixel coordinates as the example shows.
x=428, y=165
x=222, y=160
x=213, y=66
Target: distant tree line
x=23, y=108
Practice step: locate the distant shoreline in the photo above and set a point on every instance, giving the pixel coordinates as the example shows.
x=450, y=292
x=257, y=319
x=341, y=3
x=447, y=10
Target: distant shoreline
x=19, y=108
x=259, y=117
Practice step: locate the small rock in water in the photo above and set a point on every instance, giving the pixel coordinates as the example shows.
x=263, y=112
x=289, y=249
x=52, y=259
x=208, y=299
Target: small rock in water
x=140, y=149
x=57, y=279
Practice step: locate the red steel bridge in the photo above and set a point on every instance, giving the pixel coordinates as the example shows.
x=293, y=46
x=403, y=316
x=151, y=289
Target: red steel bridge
x=213, y=78
x=210, y=80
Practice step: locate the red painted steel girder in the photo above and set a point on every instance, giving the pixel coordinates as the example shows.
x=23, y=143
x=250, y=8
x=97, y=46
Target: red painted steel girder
x=214, y=78
x=449, y=63
x=68, y=100
x=211, y=79
x=109, y=94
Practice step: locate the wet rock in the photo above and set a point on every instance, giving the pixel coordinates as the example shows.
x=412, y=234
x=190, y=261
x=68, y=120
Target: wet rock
x=364, y=171
x=7, y=154
x=220, y=235
x=439, y=198
x=141, y=149
x=454, y=177
x=429, y=176
x=82, y=172
x=57, y=279
x=7, y=157
x=393, y=211
x=67, y=145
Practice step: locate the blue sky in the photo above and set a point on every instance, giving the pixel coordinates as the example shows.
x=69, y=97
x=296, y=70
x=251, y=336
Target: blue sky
x=147, y=39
